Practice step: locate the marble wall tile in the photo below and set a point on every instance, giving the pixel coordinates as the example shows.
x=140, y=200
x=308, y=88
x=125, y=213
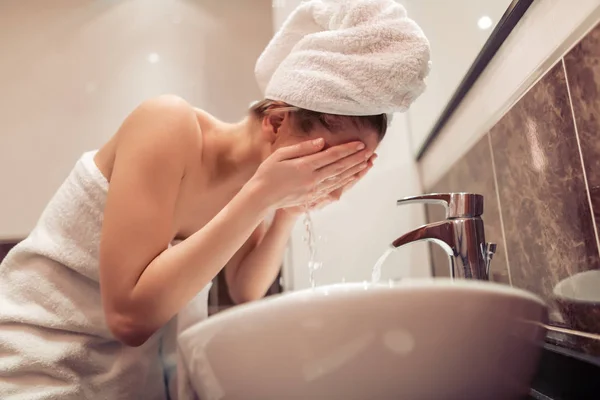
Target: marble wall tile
x=582, y=66
x=583, y=71
x=473, y=173
x=545, y=208
x=549, y=224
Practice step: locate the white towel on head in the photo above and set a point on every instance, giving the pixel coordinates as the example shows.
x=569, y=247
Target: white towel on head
x=347, y=57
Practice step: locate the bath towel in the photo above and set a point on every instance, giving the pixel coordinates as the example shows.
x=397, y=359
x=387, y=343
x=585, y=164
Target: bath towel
x=54, y=340
x=348, y=57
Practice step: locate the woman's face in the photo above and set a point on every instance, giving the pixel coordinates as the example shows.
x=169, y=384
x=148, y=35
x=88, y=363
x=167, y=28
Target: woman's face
x=288, y=136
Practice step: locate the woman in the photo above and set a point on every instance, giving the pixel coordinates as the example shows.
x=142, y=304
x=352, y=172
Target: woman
x=84, y=298
x=212, y=184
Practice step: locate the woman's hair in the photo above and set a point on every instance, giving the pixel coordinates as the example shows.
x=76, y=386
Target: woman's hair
x=306, y=120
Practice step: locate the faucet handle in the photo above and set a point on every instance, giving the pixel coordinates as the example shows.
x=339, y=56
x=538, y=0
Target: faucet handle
x=458, y=205
x=488, y=253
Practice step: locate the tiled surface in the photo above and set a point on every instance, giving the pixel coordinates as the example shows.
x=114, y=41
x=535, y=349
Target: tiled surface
x=548, y=28
x=543, y=193
x=583, y=70
x=582, y=67
x=547, y=218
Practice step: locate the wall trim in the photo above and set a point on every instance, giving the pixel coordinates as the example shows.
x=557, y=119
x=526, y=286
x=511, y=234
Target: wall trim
x=509, y=20
x=536, y=44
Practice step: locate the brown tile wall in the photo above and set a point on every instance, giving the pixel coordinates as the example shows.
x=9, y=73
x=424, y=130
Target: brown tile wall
x=5, y=248
x=539, y=171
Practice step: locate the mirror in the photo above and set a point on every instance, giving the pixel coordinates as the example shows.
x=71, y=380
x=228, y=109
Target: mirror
x=464, y=36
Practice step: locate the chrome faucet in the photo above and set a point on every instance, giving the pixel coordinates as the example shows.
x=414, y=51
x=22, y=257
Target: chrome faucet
x=461, y=235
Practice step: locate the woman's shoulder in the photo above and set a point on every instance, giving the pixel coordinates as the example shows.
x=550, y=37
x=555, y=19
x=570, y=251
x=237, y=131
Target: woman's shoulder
x=168, y=108
x=158, y=129
x=163, y=128
x=164, y=119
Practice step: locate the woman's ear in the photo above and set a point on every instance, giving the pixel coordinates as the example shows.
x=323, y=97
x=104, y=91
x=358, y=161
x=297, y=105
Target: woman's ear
x=272, y=123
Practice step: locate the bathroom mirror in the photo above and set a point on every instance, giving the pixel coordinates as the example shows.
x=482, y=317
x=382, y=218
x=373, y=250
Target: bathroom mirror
x=464, y=36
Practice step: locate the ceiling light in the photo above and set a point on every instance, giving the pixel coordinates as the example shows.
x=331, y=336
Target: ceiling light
x=484, y=22
x=153, y=58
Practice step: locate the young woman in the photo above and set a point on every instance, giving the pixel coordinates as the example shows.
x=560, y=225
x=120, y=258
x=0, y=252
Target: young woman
x=84, y=297
x=173, y=172
x=178, y=173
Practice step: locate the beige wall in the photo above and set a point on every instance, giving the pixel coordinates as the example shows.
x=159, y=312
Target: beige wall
x=71, y=70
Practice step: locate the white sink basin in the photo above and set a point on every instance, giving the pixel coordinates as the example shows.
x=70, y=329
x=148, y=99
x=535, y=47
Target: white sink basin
x=431, y=339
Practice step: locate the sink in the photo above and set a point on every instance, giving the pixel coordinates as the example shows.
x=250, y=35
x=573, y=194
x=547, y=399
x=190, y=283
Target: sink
x=415, y=339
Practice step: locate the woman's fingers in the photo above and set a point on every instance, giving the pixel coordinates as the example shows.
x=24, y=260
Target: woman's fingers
x=322, y=195
x=322, y=203
x=365, y=171
x=333, y=155
x=316, y=172
x=332, y=186
x=361, y=174
x=304, y=149
x=342, y=166
x=358, y=170
x=354, y=170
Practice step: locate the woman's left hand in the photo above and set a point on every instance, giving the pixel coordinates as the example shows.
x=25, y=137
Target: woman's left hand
x=331, y=197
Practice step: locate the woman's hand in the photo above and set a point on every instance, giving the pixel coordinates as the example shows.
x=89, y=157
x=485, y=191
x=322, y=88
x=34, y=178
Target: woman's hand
x=300, y=174
x=331, y=197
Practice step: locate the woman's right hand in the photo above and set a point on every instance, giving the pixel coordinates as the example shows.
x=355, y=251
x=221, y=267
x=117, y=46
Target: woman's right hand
x=295, y=175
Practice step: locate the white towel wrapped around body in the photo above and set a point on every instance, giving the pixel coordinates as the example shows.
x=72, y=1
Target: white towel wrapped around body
x=54, y=340
x=351, y=57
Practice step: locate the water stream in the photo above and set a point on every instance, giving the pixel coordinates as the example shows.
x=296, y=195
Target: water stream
x=376, y=274
x=311, y=241
x=314, y=264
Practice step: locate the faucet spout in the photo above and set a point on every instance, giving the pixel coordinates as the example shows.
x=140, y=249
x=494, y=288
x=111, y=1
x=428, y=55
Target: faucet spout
x=461, y=234
x=463, y=240
x=439, y=232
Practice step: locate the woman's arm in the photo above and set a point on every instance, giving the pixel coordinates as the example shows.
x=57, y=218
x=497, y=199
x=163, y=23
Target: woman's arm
x=143, y=282
x=251, y=272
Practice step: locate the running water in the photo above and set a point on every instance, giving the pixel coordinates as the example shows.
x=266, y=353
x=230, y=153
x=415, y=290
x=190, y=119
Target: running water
x=376, y=274
x=313, y=265
x=311, y=241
